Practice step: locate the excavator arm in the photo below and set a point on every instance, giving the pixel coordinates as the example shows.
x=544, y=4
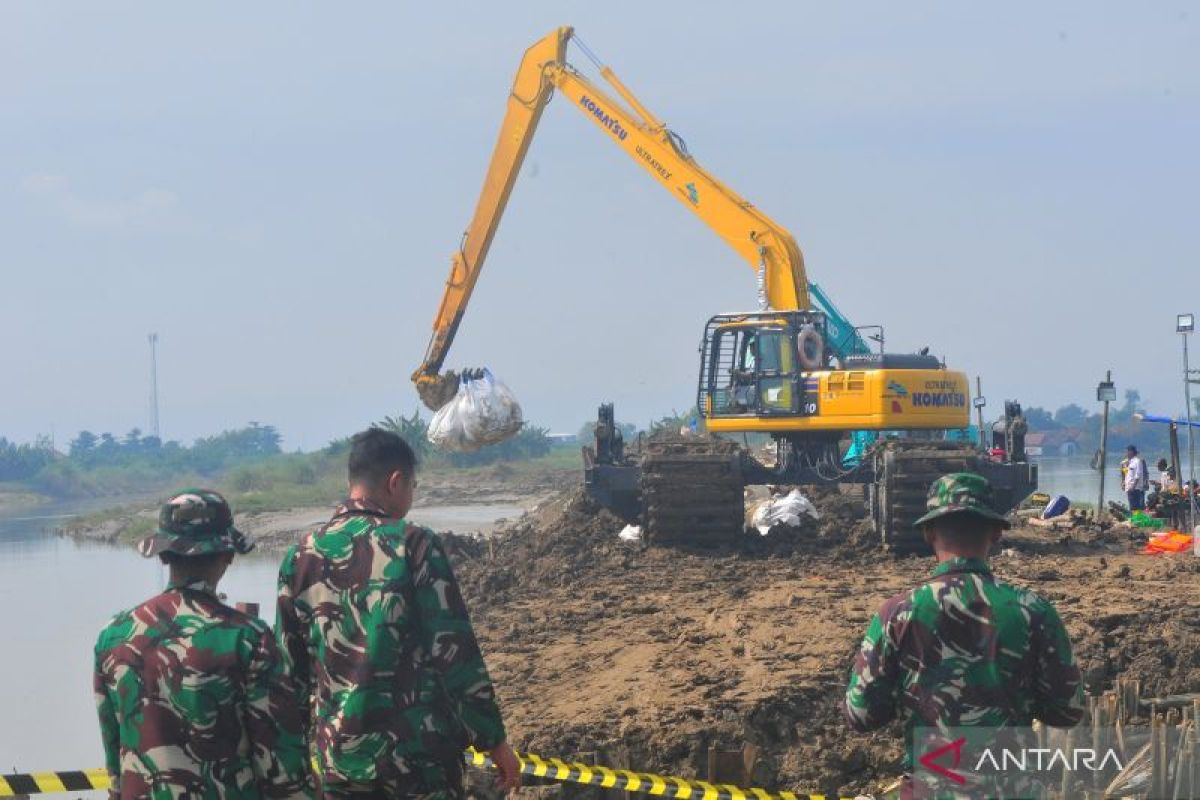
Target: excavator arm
x=768, y=248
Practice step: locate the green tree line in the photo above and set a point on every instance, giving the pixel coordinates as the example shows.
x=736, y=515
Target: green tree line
x=102, y=463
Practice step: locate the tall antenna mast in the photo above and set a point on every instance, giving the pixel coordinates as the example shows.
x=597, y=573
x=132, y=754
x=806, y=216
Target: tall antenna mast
x=154, y=386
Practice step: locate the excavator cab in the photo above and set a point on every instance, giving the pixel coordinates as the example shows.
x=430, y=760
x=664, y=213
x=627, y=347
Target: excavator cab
x=755, y=365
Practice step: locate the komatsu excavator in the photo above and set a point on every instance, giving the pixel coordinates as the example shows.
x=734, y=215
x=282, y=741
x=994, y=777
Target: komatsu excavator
x=783, y=369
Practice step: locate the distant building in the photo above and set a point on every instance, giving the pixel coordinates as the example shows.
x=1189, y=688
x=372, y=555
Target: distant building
x=563, y=438
x=1064, y=443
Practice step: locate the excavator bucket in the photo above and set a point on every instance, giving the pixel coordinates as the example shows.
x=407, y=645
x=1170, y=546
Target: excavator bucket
x=437, y=390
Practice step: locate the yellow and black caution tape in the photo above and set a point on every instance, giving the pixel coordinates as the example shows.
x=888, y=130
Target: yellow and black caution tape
x=553, y=769
x=624, y=780
x=52, y=782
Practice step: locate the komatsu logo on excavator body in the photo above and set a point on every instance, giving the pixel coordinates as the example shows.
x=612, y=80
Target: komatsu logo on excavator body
x=940, y=394
x=610, y=122
x=939, y=399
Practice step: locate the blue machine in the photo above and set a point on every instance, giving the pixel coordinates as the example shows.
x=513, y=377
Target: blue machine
x=844, y=340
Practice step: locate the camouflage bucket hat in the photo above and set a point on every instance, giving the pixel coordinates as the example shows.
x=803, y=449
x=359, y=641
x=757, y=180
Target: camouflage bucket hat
x=195, y=522
x=961, y=492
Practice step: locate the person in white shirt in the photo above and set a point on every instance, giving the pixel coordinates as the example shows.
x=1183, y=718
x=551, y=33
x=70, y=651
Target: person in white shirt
x=1137, y=480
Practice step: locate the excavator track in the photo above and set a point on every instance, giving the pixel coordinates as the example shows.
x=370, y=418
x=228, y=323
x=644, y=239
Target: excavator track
x=692, y=491
x=903, y=472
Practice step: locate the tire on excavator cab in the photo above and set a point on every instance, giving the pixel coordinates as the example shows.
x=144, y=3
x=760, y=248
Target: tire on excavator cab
x=692, y=490
x=904, y=470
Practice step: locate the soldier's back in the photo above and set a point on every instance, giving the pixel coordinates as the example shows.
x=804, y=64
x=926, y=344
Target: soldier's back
x=174, y=670
x=968, y=645
x=378, y=633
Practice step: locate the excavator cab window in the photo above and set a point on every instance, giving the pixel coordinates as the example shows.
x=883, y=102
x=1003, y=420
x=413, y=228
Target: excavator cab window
x=754, y=371
x=739, y=391
x=776, y=371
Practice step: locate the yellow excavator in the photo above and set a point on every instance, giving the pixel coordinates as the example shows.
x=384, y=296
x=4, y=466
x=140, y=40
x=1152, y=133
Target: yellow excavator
x=775, y=370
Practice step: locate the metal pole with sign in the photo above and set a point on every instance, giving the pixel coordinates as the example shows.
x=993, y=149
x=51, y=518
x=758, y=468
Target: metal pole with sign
x=1184, y=325
x=980, y=401
x=1106, y=393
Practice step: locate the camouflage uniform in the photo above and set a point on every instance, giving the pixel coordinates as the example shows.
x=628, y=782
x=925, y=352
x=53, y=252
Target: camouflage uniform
x=372, y=620
x=190, y=693
x=964, y=649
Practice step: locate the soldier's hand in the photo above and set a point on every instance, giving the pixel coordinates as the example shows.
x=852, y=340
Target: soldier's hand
x=508, y=770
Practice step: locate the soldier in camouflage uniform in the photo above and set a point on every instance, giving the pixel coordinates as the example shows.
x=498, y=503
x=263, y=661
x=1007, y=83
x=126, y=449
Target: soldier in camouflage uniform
x=378, y=636
x=191, y=694
x=964, y=649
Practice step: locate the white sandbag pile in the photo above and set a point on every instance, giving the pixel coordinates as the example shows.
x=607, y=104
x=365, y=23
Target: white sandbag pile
x=787, y=509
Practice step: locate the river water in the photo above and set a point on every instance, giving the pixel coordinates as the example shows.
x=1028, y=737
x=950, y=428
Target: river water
x=55, y=596
x=1075, y=478
x=57, y=593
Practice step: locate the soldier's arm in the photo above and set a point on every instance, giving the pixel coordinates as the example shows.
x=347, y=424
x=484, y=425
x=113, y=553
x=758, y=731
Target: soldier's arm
x=290, y=636
x=110, y=728
x=450, y=640
x=1058, y=688
x=271, y=715
x=871, y=695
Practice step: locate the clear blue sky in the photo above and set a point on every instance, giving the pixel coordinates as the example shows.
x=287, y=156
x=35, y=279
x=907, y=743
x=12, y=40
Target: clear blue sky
x=276, y=189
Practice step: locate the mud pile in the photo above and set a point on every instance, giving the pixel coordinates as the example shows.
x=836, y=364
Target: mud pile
x=563, y=541
x=1146, y=626
x=645, y=657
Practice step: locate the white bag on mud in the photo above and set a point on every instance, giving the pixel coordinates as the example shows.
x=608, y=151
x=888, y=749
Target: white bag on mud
x=483, y=412
x=785, y=510
x=630, y=533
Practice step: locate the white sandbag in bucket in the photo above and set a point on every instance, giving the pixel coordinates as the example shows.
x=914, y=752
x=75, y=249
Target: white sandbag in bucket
x=785, y=510
x=483, y=412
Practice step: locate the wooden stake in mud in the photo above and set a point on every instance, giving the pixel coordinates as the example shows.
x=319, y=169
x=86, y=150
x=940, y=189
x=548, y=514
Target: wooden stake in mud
x=1068, y=747
x=1182, y=752
x=1193, y=770
x=1156, y=773
x=1095, y=715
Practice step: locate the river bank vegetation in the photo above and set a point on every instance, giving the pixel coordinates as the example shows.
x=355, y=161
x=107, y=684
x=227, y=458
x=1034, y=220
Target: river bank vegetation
x=250, y=463
x=247, y=461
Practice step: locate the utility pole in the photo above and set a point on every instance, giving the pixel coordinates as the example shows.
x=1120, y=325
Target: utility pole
x=980, y=401
x=1106, y=392
x=153, y=338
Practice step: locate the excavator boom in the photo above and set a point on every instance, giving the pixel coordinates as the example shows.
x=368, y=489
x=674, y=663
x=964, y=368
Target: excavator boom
x=767, y=247
x=526, y=102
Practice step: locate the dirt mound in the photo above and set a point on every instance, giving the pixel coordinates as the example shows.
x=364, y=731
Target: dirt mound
x=1154, y=639
x=647, y=656
x=562, y=541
